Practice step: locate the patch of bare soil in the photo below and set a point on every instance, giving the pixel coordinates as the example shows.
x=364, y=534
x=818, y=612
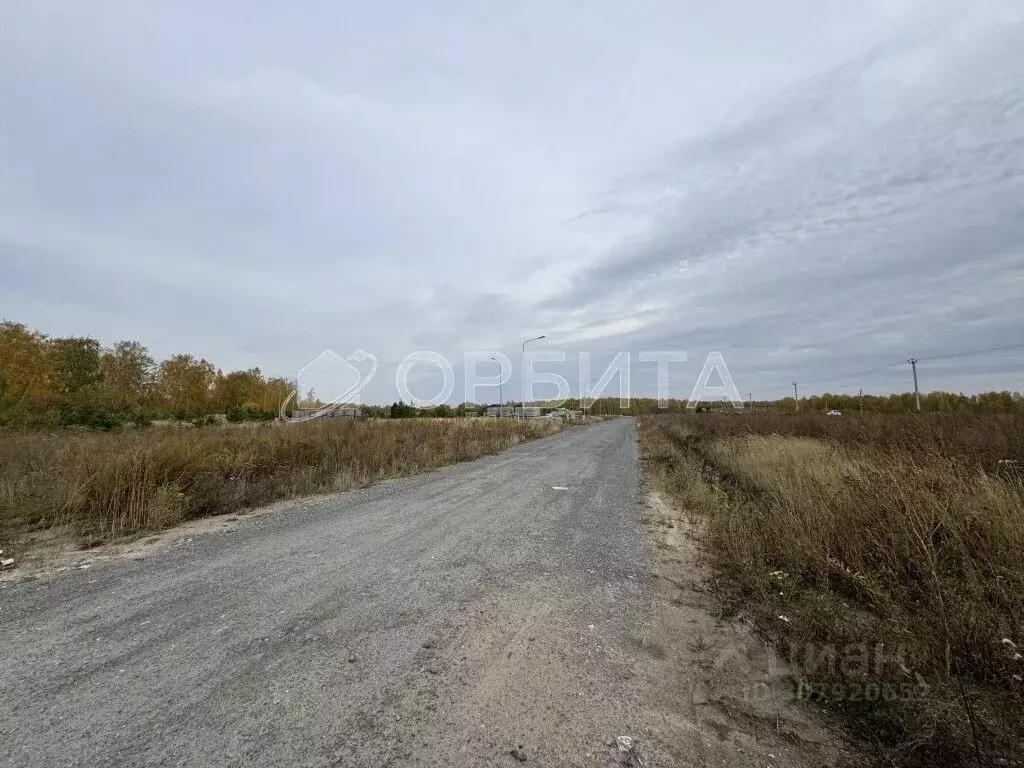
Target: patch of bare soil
x=724, y=697
x=56, y=550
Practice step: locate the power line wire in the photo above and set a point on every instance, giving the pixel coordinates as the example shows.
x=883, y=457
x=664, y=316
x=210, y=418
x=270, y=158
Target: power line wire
x=856, y=375
x=896, y=363
x=974, y=352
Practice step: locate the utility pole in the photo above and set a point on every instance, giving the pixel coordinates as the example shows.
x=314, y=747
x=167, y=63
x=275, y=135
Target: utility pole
x=861, y=400
x=796, y=396
x=917, y=393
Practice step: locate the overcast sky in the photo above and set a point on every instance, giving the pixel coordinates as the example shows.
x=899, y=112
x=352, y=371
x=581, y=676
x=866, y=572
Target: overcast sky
x=812, y=187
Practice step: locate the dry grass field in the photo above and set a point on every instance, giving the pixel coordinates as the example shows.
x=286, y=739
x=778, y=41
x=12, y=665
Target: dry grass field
x=882, y=555
x=101, y=485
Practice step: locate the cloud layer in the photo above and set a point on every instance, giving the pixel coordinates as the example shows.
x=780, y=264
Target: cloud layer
x=813, y=189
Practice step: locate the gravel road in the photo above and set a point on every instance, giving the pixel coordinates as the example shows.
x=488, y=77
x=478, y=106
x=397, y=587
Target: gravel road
x=475, y=615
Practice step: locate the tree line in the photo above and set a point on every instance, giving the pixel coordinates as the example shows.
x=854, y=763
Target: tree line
x=76, y=380
x=903, y=402
x=48, y=381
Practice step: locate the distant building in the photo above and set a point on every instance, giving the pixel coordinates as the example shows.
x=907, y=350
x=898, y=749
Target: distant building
x=529, y=412
x=564, y=414
x=514, y=412
x=337, y=412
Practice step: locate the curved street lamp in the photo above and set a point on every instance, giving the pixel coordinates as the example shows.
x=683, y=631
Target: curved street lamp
x=522, y=413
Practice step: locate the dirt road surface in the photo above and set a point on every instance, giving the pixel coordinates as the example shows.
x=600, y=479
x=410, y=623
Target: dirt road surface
x=503, y=611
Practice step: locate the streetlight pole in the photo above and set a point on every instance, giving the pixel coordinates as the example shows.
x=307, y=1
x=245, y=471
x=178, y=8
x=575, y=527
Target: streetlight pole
x=501, y=397
x=522, y=413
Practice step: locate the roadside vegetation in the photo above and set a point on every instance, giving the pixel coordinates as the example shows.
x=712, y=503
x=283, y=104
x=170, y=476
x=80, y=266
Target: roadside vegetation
x=883, y=556
x=96, y=486
x=48, y=381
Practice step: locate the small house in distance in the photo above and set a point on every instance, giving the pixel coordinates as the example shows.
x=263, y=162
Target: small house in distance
x=501, y=411
x=514, y=412
x=564, y=414
x=337, y=412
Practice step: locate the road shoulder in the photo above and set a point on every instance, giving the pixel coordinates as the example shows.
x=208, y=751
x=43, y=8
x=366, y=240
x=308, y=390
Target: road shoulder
x=722, y=696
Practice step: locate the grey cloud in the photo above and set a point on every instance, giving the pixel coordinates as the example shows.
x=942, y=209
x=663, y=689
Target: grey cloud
x=860, y=204
x=805, y=186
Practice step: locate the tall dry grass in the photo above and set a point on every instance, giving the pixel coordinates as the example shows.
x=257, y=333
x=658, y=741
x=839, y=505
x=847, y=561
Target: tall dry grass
x=864, y=539
x=104, y=485
x=981, y=439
